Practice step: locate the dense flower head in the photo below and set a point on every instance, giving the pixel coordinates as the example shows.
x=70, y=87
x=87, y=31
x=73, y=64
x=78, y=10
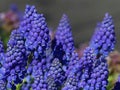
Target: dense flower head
x=64, y=34
x=27, y=19
x=71, y=82
x=104, y=40
x=79, y=72
x=64, y=43
x=35, y=72
x=1, y=47
x=51, y=84
x=39, y=80
x=56, y=72
x=35, y=31
x=73, y=61
x=88, y=56
x=33, y=61
x=95, y=32
x=38, y=36
x=85, y=61
x=86, y=69
x=15, y=60
x=92, y=68
x=2, y=84
x=98, y=77
x=2, y=53
x=85, y=66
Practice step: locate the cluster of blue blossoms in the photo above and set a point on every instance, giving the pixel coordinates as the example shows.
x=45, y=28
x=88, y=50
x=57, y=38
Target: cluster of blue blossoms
x=33, y=61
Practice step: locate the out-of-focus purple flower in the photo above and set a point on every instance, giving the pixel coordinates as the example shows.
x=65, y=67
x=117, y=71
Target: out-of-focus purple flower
x=2, y=53
x=14, y=8
x=10, y=20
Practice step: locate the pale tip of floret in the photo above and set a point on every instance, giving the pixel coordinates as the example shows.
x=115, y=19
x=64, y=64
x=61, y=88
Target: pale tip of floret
x=33, y=6
x=107, y=14
x=64, y=16
x=28, y=6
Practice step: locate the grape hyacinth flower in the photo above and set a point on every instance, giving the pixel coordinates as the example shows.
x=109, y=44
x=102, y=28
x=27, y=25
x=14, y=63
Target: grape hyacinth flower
x=39, y=79
x=33, y=61
x=15, y=60
x=95, y=32
x=104, y=40
x=64, y=35
x=102, y=43
x=1, y=47
x=2, y=56
x=71, y=82
x=89, y=63
x=91, y=73
x=36, y=72
x=27, y=19
x=51, y=84
x=37, y=39
x=73, y=61
x=56, y=73
x=86, y=62
x=64, y=42
x=98, y=78
x=2, y=53
x=77, y=72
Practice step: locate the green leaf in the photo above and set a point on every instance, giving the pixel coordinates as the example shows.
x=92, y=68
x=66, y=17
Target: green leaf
x=18, y=86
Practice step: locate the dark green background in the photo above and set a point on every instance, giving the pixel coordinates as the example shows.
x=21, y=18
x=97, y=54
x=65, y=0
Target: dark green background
x=83, y=14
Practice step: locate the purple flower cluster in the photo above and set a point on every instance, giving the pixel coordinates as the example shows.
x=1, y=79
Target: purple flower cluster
x=15, y=59
x=39, y=79
x=36, y=31
x=104, y=38
x=2, y=53
x=64, y=35
x=64, y=45
x=56, y=72
x=33, y=61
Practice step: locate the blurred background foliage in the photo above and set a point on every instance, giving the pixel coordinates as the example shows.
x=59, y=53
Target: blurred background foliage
x=83, y=14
